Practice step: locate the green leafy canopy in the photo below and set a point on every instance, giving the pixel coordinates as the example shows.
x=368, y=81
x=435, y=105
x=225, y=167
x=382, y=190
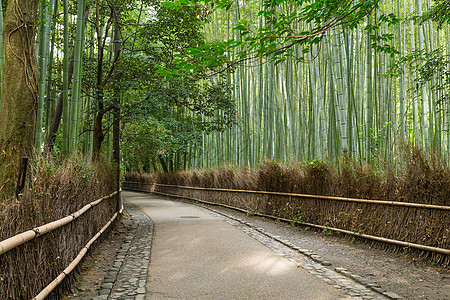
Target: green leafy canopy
x=285, y=23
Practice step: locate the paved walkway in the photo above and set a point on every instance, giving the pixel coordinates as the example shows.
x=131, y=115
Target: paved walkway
x=197, y=253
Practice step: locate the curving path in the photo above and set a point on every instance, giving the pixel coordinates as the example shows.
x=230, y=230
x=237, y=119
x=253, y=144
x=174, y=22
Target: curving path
x=197, y=254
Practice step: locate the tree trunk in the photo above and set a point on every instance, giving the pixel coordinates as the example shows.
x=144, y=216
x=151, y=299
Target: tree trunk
x=99, y=135
x=155, y=165
x=66, y=80
x=116, y=120
x=18, y=117
x=163, y=164
x=58, y=114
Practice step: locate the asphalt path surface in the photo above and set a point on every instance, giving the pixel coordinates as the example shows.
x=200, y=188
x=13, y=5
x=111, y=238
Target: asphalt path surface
x=197, y=256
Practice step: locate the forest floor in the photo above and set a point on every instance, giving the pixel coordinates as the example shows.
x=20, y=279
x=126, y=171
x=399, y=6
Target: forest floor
x=402, y=274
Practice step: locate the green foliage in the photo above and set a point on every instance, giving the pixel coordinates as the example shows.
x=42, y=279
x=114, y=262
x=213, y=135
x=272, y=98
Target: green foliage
x=286, y=23
x=431, y=68
x=381, y=42
x=439, y=12
x=211, y=104
x=143, y=141
x=172, y=110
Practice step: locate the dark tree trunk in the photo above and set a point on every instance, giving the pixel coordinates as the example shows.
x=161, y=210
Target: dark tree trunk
x=98, y=125
x=56, y=121
x=146, y=167
x=116, y=153
x=163, y=165
x=99, y=136
x=170, y=162
x=117, y=96
x=116, y=135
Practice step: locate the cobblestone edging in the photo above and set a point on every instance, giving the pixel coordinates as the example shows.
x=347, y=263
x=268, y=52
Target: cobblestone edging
x=128, y=277
x=352, y=285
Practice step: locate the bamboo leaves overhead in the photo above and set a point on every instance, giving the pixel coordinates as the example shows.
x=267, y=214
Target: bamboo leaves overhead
x=286, y=25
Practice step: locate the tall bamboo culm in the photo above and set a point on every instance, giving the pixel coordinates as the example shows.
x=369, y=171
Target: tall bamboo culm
x=76, y=85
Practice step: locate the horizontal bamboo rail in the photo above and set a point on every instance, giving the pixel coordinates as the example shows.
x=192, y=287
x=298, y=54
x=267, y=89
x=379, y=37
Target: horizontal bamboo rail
x=305, y=196
x=24, y=237
x=49, y=288
x=366, y=236
x=362, y=235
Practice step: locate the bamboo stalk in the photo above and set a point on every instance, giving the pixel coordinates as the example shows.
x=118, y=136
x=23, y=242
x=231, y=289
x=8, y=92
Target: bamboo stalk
x=24, y=237
x=393, y=203
x=347, y=84
x=66, y=107
x=77, y=74
x=366, y=236
x=49, y=288
x=44, y=44
x=424, y=112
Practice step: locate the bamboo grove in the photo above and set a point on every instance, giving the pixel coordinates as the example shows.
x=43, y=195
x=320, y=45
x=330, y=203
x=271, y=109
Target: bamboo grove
x=342, y=96
x=92, y=66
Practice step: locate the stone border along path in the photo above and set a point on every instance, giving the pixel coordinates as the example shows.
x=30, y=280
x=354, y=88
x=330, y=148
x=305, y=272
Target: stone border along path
x=128, y=277
x=350, y=284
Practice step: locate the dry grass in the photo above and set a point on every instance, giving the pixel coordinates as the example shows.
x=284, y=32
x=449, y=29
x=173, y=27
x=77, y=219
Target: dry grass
x=54, y=190
x=418, y=178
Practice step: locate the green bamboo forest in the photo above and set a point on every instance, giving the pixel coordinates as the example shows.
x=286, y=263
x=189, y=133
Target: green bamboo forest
x=176, y=85
x=196, y=84
x=336, y=98
x=359, y=90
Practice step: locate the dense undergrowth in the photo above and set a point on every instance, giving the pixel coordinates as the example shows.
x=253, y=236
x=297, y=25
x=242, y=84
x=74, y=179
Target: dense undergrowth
x=417, y=177
x=54, y=190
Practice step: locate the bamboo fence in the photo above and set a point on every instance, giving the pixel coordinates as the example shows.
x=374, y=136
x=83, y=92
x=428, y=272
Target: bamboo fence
x=439, y=250
x=49, y=288
x=306, y=196
x=26, y=236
